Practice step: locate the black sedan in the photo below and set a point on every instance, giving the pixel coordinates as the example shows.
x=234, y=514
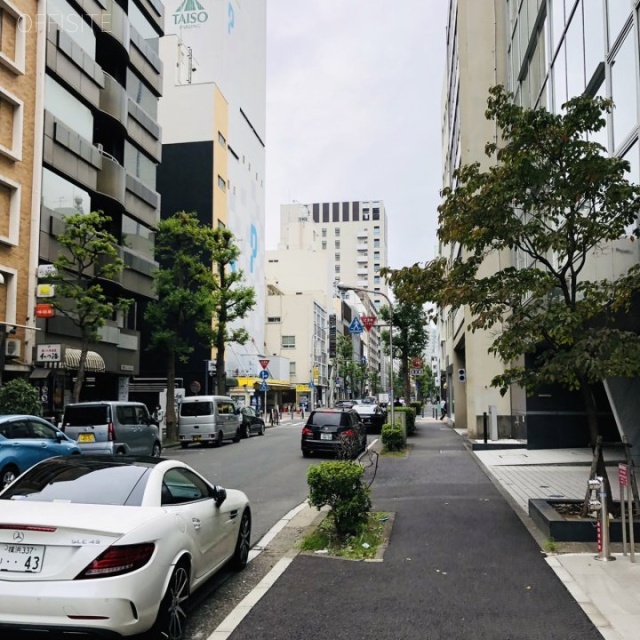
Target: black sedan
x=336, y=431
x=251, y=423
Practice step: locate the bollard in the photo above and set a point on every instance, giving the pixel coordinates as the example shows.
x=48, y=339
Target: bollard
x=600, y=505
x=623, y=481
x=484, y=426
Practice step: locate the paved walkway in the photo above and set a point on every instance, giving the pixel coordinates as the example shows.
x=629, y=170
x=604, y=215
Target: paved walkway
x=460, y=566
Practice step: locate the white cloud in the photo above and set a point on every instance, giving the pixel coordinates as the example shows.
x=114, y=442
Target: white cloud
x=353, y=111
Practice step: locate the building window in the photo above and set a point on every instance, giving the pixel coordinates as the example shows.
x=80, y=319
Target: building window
x=337, y=231
x=365, y=214
x=140, y=165
x=376, y=231
x=376, y=268
x=337, y=268
x=273, y=319
x=222, y=141
x=63, y=197
x=12, y=37
x=11, y=114
x=288, y=342
x=376, y=255
x=222, y=184
x=324, y=233
x=324, y=244
x=9, y=201
x=376, y=279
x=337, y=244
x=337, y=257
x=75, y=26
x=376, y=242
x=292, y=369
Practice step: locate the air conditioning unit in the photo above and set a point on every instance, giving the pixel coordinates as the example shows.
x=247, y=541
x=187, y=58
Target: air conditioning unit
x=13, y=348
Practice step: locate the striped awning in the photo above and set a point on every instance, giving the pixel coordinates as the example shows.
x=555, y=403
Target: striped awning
x=71, y=361
x=94, y=362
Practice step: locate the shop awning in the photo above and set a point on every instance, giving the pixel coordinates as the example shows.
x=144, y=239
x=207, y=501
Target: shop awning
x=273, y=384
x=39, y=374
x=94, y=362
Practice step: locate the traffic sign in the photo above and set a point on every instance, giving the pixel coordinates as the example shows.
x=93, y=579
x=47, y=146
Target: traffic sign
x=44, y=310
x=364, y=360
x=416, y=372
x=368, y=322
x=416, y=362
x=263, y=375
x=212, y=367
x=356, y=326
x=264, y=386
x=264, y=363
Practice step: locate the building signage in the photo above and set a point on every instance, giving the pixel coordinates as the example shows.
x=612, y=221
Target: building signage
x=47, y=271
x=49, y=352
x=126, y=367
x=190, y=14
x=45, y=291
x=45, y=310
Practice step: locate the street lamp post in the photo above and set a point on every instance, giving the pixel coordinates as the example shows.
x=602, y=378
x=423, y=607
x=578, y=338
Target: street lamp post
x=346, y=287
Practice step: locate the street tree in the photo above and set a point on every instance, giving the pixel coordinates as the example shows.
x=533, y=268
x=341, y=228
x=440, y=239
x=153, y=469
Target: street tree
x=409, y=323
x=89, y=258
x=551, y=199
x=346, y=367
x=232, y=300
x=184, y=285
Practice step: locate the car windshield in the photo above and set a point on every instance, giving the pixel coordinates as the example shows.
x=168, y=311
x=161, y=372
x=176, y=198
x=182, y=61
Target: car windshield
x=81, y=416
x=81, y=482
x=195, y=409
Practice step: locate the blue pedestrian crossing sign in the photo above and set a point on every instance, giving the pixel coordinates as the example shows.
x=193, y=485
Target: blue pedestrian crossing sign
x=356, y=326
x=264, y=387
x=264, y=374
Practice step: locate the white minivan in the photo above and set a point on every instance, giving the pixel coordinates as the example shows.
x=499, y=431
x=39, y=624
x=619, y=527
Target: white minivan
x=208, y=420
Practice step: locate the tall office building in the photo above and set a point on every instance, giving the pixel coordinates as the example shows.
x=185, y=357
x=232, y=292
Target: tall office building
x=213, y=117
x=546, y=52
x=19, y=218
x=352, y=234
x=100, y=150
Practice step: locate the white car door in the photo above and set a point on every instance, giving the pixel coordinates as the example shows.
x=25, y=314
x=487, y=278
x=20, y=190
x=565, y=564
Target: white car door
x=193, y=498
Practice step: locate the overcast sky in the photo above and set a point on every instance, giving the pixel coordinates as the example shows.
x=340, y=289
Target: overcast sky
x=354, y=109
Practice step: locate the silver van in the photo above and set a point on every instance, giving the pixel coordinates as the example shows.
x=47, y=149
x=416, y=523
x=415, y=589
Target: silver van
x=208, y=420
x=112, y=428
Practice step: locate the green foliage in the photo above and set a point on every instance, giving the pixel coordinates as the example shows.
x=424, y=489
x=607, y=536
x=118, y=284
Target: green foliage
x=339, y=485
x=552, y=198
x=231, y=299
x=417, y=407
x=410, y=336
x=18, y=396
x=89, y=257
x=393, y=437
x=347, y=367
x=183, y=284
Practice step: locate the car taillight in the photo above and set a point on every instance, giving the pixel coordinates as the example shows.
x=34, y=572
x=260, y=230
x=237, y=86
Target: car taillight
x=115, y=561
x=111, y=435
x=349, y=433
x=306, y=431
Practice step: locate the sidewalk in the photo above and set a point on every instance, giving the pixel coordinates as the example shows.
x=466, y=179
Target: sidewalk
x=460, y=566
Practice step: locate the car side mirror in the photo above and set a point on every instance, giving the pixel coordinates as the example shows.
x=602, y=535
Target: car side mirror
x=220, y=495
x=60, y=437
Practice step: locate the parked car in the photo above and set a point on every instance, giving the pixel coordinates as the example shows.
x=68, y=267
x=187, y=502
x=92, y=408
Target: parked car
x=337, y=431
x=372, y=415
x=112, y=427
x=115, y=545
x=345, y=404
x=208, y=420
x=25, y=441
x=251, y=423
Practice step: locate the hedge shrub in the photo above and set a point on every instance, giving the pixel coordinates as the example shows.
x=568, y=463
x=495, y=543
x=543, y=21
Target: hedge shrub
x=339, y=485
x=393, y=437
x=410, y=413
x=18, y=396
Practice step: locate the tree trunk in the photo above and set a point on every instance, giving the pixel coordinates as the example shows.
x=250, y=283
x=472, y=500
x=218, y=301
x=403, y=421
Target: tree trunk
x=170, y=415
x=407, y=381
x=594, y=433
x=78, y=384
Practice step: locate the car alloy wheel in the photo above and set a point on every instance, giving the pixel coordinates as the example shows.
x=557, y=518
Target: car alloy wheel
x=172, y=616
x=243, y=544
x=218, y=440
x=247, y=431
x=9, y=474
x=261, y=429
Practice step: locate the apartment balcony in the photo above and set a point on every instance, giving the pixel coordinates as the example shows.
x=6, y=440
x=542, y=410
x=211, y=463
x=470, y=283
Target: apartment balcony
x=362, y=283
x=362, y=246
x=362, y=234
x=362, y=272
x=113, y=100
x=112, y=178
x=364, y=258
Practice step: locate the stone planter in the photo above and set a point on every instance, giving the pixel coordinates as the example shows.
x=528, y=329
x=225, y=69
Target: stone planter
x=563, y=528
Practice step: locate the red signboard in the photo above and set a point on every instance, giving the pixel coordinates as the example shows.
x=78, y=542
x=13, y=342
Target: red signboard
x=368, y=321
x=622, y=475
x=45, y=311
x=264, y=363
x=416, y=362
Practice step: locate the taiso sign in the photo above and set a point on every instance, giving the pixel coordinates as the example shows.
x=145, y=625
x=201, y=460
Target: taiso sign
x=190, y=14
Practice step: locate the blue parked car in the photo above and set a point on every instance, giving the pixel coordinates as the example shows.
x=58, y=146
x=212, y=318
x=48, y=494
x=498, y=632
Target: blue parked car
x=25, y=441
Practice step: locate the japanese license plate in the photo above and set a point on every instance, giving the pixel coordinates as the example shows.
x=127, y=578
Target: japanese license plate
x=326, y=436
x=86, y=437
x=196, y=438
x=26, y=558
